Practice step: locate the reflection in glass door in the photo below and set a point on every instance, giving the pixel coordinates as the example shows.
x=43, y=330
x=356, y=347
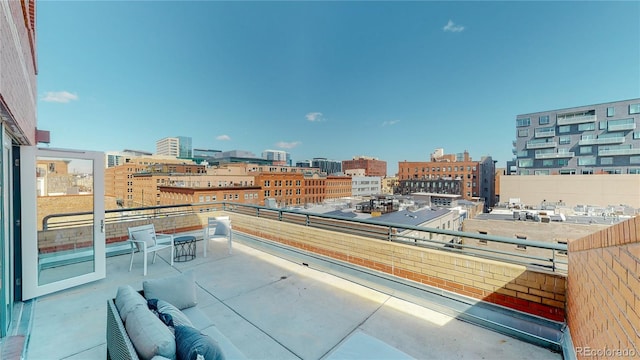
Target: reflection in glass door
x=64, y=191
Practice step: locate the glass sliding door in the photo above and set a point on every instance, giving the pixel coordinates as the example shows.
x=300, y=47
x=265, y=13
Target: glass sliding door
x=63, y=242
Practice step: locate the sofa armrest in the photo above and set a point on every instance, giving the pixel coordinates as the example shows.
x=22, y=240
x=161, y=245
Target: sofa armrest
x=118, y=344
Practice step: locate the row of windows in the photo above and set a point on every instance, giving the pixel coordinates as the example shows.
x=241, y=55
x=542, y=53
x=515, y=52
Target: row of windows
x=267, y=183
x=544, y=119
x=611, y=125
x=445, y=168
x=582, y=161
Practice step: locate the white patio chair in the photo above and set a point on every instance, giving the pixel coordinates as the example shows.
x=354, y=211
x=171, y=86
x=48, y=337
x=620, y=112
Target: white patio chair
x=218, y=228
x=144, y=239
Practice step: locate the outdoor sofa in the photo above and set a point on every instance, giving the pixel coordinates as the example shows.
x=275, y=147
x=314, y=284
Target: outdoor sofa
x=134, y=331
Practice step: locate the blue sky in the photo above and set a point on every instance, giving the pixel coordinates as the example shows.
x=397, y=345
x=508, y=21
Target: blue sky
x=392, y=80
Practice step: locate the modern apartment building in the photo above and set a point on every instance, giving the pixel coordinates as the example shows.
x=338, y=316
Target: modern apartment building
x=327, y=166
x=475, y=178
x=372, y=166
x=591, y=139
x=179, y=146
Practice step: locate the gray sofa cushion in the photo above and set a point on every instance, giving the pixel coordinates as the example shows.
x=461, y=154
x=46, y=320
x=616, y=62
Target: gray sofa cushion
x=178, y=290
x=163, y=307
x=191, y=344
x=149, y=336
x=199, y=319
x=128, y=299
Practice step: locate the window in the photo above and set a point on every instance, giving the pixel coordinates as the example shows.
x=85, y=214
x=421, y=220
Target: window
x=619, y=134
x=635, y=171
x=636, y=135
x=621, y=124
x=523, y=153
x=563, y=162
x=565, y=140
x=547, y=163
x=606, y=161
x=586, y=160
x=545, y=132
x=634, y=109
x=586, y=149
x=586, y=127
x=542, y=120
x=634, y=160
x=567, y=172
x=523, y=122
x=602, y=125
x=525, y=163
x=564, y=129
x=610, y=112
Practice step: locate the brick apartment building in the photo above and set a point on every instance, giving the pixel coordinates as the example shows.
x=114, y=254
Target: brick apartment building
x=149, y=182
x=338, y=187
x=119, y=180
x=372, y=166
x=173, y=195
x=472, y=180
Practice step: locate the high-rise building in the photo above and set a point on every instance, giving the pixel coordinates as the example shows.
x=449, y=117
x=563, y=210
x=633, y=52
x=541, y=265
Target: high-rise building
x=185, y=147
x=278, y=157
x=179, y=146
x=372, y=166
x=167, y=146
x=591, y=139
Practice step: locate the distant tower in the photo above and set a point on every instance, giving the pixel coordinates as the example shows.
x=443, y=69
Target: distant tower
x=179, y=146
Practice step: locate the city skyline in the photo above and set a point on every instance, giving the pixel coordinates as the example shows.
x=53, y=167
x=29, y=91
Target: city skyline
x=326, y=79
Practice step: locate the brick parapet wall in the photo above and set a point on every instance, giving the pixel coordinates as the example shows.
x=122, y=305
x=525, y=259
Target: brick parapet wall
x=603, y=307
x=82, y=236
x=513, y=286
x=509, y=285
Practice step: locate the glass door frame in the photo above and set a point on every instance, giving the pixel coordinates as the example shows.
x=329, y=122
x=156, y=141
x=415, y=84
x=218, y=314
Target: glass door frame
x=6, y=237
x=29, y=233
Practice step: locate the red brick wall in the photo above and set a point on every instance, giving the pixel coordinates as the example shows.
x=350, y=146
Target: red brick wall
x=17, y=71
x=603, y=295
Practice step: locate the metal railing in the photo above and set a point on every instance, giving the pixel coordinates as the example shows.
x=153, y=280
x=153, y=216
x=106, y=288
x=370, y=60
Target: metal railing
x=542, y=254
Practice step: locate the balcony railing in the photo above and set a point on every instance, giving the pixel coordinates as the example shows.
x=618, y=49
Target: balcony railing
x=541, y=145
x=555, y=155
x=621, y=127
x=602, y=141
x=545, y=133
x=575, y=119
x=545, y=254
x=618, y=152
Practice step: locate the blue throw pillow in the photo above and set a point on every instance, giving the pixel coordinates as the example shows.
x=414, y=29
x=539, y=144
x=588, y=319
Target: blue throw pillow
x=190, y=343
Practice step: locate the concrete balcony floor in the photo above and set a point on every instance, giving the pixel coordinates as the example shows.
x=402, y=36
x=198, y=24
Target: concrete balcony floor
x=272, y=308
